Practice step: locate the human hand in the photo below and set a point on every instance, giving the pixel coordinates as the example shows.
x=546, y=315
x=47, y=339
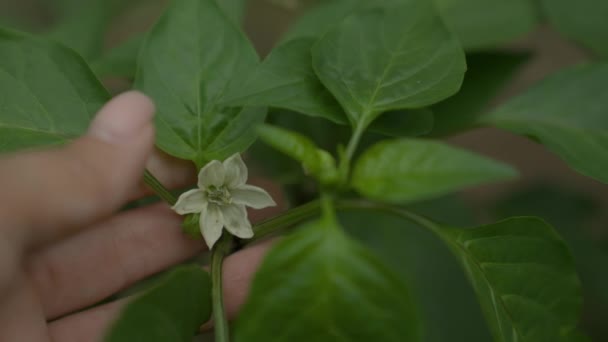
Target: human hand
x=64, y=248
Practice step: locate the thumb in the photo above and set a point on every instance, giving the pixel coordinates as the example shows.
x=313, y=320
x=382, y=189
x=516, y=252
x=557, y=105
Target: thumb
x=48, y=194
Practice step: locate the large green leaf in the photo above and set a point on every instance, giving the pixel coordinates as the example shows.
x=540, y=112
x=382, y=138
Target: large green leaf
x=286, y=80
x=488, y=23
x=407, y=170
x=524, y=277
x=487, y=74
x=567, y=113
x=583, y=21
x=173, y=310
x=48, y=94
x=186, y=63
x=389, y=57
x=319, y=285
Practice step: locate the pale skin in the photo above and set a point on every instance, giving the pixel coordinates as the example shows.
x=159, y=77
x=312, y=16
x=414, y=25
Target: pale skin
x=63, y=245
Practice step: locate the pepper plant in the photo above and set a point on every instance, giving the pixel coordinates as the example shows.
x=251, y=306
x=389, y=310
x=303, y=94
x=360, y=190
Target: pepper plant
x=357, y=93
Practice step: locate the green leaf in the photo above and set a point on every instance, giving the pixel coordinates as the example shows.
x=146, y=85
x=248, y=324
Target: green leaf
x=572, y=214
x=486, y=75
x=335, y=290
x=372, y=62
x=483, y=24
x=186, y=63
x=409, y=170
x=567, y=113
x=524, y=278
x=121, y=60
x=173, y=310
x=583, y=21
x=286, y=80
x=315, y=161
x=48, y=96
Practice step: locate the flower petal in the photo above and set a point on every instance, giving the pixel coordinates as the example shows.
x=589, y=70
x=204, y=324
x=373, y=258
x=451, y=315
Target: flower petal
x=211, y=224
x=251, y=196
x=236, y=221
x=236, y=171
x=212, y=174
x=190, y=202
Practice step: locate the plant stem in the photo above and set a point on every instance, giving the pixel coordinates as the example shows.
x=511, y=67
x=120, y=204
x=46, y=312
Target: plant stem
x=381, y=207
x=220, y=320
x=312, y=209
x=285, y=220
x=158, y=188
x=351, y=148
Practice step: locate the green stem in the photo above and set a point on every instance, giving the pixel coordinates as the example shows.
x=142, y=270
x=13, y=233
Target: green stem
x=220, y=320
x=351, y=148
x=380, y=207
x=312, y=209
x=285, y=220
x=158, y=188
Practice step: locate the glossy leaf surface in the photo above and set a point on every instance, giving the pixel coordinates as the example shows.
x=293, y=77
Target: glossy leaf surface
x=408, y=170
x=186, y=63
x=389, y=57
x=333, y=287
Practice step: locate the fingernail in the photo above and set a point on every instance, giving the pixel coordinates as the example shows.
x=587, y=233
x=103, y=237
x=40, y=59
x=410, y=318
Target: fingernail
x=122, y=118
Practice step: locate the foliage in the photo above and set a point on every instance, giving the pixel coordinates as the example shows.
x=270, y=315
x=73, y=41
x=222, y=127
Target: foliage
x=348, y=101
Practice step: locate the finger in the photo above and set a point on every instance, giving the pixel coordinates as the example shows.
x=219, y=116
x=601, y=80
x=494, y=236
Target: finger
x=90, y=325
x=91, y=266
x=173, y=173
x=46, y=194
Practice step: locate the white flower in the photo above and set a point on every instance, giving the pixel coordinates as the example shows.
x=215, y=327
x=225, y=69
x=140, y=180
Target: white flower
x=221, y=198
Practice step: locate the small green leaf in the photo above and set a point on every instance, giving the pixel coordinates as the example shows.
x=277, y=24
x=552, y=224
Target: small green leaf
x=583, y=21
x=49, y=95
x=333, y=287
x=173, y=310
x=566, y=113
x=409, y=170
x=483, y=24
x=487, y=74
x=524, y=278
x=121, y=60
x=186, y=63
x=314, y=160
x=286, y=80
x=391, y=57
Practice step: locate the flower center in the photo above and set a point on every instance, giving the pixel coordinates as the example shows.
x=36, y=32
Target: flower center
x=219, y=195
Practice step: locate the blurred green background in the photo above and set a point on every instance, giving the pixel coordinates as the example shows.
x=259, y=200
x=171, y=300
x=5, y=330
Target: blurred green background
x=575, y=205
